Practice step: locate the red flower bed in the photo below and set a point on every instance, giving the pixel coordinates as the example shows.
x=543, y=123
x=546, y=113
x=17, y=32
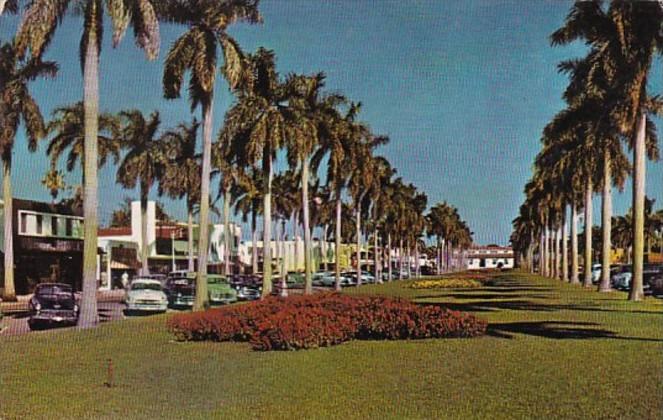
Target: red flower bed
x=302, y=322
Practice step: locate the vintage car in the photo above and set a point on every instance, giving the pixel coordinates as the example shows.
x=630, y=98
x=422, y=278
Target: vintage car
x=145, y=295
x=52, y=304
x=181, y=291
x=219, y=290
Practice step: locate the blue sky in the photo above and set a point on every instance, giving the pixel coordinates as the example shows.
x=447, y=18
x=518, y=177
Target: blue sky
x=462, y=88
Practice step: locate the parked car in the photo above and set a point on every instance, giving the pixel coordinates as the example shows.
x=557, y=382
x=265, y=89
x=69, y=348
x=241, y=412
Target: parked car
x=248, y=286
x=53, y=304
x=330, y=280
x=319, y=276
x=656, y=285
x=596, y=273
x=622, y=280
x=145, y=295
x=248, y=293
x=181, y=291
x=219, y=290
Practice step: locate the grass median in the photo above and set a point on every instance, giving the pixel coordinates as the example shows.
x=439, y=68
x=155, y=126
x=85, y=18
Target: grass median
x=551, y=350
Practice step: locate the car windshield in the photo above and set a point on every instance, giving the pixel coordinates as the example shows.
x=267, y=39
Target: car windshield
x=146, y=286
x=54, y=290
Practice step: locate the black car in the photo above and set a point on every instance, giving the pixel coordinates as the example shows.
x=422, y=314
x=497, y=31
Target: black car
x=181, y=292
x=656, y=285
x=249, y=287
x=53, y=304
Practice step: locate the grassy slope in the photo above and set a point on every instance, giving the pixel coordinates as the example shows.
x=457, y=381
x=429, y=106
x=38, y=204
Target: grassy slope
x=552, y=350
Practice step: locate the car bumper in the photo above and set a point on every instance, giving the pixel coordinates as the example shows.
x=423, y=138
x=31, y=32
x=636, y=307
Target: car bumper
x=61, y=319
x=221, y=301
x=180, y=302
x=147, y=307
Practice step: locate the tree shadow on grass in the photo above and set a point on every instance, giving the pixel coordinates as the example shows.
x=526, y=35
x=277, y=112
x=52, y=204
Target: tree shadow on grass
x=556, y=330
x=491, y=305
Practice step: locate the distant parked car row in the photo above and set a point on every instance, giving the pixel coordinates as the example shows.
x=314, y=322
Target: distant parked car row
x=621, y=275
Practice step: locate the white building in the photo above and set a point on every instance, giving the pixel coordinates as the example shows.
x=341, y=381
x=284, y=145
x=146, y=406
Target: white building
x=491, y=256
x=167, y=244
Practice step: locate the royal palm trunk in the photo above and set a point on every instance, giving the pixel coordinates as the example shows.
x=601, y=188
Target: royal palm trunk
x=145, y=247
x=574, y=244
x=254, y=240
x=308, y=279
x=88, y=315
x=587, y=281
x=637, y=291
x=201, y=301
x=565, y=248
x=358, y=213
x=337, y=243
x=400, y=260
x=555, y=235
x=189, y=227
x=389, y=274
x=9, y=291
x=376, y=257
x=606, y=223
x=325, y=263
x=226, y=231
x=267, y=225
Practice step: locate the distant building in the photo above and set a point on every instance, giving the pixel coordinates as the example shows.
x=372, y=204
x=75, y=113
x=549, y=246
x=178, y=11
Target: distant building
x=491, y=256
x=47, y=243
x=167, y=243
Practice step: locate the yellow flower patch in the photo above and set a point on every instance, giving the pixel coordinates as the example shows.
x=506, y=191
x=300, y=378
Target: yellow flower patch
x=448, y=283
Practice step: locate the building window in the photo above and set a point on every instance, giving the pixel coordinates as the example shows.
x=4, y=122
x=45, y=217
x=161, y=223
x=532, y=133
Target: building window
x=68, y=227
x=24, y=223
x=54, y=226
x=40, y=222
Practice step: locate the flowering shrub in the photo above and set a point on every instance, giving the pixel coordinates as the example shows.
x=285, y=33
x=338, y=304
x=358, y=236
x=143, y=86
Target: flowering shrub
x=302, y=322
x=446, y=283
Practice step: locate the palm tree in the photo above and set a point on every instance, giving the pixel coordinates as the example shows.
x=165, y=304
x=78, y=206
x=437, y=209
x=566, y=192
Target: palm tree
x=626, y=37
x=141, y=166
x=197, y=50
x=11, y=6
x=229, y=180
x=17, y=105
x=248, y=200
x=180, y=176
x=53, y=181
x=256, y=126
x=67, y=128
x=337, y=145
x=40, y=21
x=312, y=117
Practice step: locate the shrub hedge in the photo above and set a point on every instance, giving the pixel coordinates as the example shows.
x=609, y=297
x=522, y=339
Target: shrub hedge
x=303, y=322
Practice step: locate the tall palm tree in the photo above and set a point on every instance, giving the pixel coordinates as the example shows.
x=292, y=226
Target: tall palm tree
x=67, y=131
x=142, y=165
x=35, y=32
x=312, y=117
x=17, y=105
x=337, y=145
x=197, y=51
x=256, y=125
x=626, y=36
x=10, y=6
x=229, y=179
x=180, y=176
x=249, y=200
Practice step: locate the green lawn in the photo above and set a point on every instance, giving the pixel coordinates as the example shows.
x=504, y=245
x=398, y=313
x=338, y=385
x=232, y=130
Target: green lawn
x=552, y=350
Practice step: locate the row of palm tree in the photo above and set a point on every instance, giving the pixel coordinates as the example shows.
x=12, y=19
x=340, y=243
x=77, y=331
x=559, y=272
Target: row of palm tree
x=607, y=105
x=269, y=114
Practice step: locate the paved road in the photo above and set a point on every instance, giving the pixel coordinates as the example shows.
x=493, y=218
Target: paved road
x=110, y=308
x=17, y=323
